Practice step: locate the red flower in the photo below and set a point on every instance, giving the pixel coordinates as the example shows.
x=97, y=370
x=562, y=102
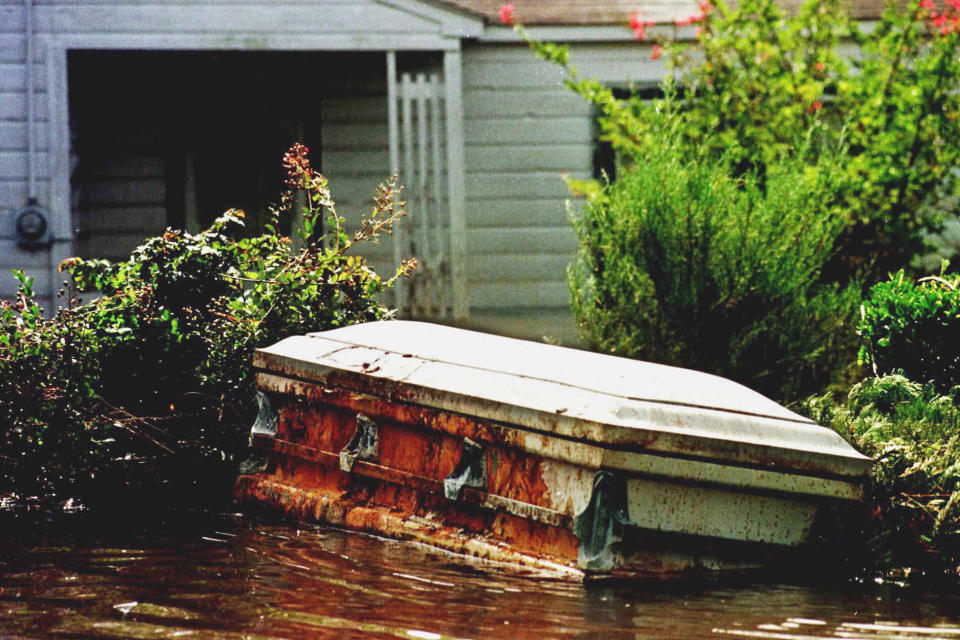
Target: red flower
x=705, y=6
x=700, y=17
x=638, y=26
x=926, y=4
x=657, y=52
x=697, y=32
x=506, y=13
x=815, y=106
x=954, y=4
x=819, y=66
x=297, y=165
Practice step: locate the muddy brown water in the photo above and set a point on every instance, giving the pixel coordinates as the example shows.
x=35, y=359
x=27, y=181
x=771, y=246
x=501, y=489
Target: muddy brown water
x=238, y=577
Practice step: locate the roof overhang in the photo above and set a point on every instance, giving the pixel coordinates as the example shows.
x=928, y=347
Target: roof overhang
x=453, y=21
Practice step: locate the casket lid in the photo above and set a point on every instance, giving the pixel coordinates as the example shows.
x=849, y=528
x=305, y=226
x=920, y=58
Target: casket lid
x=593, y=398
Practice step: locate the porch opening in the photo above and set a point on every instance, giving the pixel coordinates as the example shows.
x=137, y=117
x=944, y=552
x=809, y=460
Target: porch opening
x=175, y=138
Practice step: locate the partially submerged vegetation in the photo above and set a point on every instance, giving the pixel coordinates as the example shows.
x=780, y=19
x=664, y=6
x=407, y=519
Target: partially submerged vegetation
x=912, y=523
x=151, y=383
x=910, y=424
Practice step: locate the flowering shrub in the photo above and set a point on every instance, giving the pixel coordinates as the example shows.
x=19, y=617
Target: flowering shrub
x=156, y=374
x=754, y=82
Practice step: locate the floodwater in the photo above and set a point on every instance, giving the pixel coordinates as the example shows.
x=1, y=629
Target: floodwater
x=240, y=577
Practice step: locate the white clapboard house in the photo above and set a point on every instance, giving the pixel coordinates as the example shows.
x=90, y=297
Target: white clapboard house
x=119, y=118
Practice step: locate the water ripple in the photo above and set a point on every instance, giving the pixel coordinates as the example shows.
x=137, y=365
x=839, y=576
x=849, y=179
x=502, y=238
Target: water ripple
x=237, y=578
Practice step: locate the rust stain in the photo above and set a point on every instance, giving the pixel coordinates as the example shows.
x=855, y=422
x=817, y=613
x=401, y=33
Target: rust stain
x=429, y=454
x=399, y=512
x=400, y=494
x=518, y=476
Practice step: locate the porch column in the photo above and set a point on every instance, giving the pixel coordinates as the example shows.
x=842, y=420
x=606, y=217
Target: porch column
x=393, y=126
x=456, y=183
x=58, y=108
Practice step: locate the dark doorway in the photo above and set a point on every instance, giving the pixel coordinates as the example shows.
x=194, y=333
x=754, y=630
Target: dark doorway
x=175, y=138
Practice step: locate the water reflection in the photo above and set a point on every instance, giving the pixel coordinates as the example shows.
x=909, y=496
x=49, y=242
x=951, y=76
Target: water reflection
x=235, y=577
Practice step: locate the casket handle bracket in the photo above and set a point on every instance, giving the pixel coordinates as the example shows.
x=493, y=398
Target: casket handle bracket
x=362, y=446
x=471, y=471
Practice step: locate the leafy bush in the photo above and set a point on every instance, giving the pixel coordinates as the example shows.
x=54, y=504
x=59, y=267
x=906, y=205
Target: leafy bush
x=913, y=327
x=684, y=263
x=913, y=494
x=760, y=78
x=156, y=374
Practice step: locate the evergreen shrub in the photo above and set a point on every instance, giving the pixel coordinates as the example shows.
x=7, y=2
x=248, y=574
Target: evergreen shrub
x=682, y=262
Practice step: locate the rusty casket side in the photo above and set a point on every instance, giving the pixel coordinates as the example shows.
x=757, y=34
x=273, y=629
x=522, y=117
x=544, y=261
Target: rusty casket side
x=371, y=429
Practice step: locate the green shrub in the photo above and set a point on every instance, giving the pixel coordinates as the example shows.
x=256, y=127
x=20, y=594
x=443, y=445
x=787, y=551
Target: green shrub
x=913, y=493
x=156, y=374
x=682, y=262
x=759, y=78
x=913, y=327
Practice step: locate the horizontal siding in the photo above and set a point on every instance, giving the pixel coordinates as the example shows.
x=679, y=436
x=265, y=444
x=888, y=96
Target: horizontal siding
x=13, y=48
x=225, y=17
x=13, y=76
x=533, y=103
x=521, y=242
x=121, y=202
x=522, y=295
x=480, y=158
x=516, y=212
x=491, y=269
x=13, y=164
x=129, y=166
x=525, y=131
x=13, y=136
x=13, y=146
x=508, y=129
x=13, y=192
x=29, y=260
x=371, y=131
x=356, y=160
x=353, y=135
x=561, y=158
x=111, y=246
x=13, y=106
x=494, y=186
x=554, y=324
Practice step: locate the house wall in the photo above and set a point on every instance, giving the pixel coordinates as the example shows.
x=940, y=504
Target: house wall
x=525, y=131
x=244, y=25
x=13, y=144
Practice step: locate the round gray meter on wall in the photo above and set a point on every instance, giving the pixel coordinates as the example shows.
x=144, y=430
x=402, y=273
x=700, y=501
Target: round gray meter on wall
x=31, y=227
